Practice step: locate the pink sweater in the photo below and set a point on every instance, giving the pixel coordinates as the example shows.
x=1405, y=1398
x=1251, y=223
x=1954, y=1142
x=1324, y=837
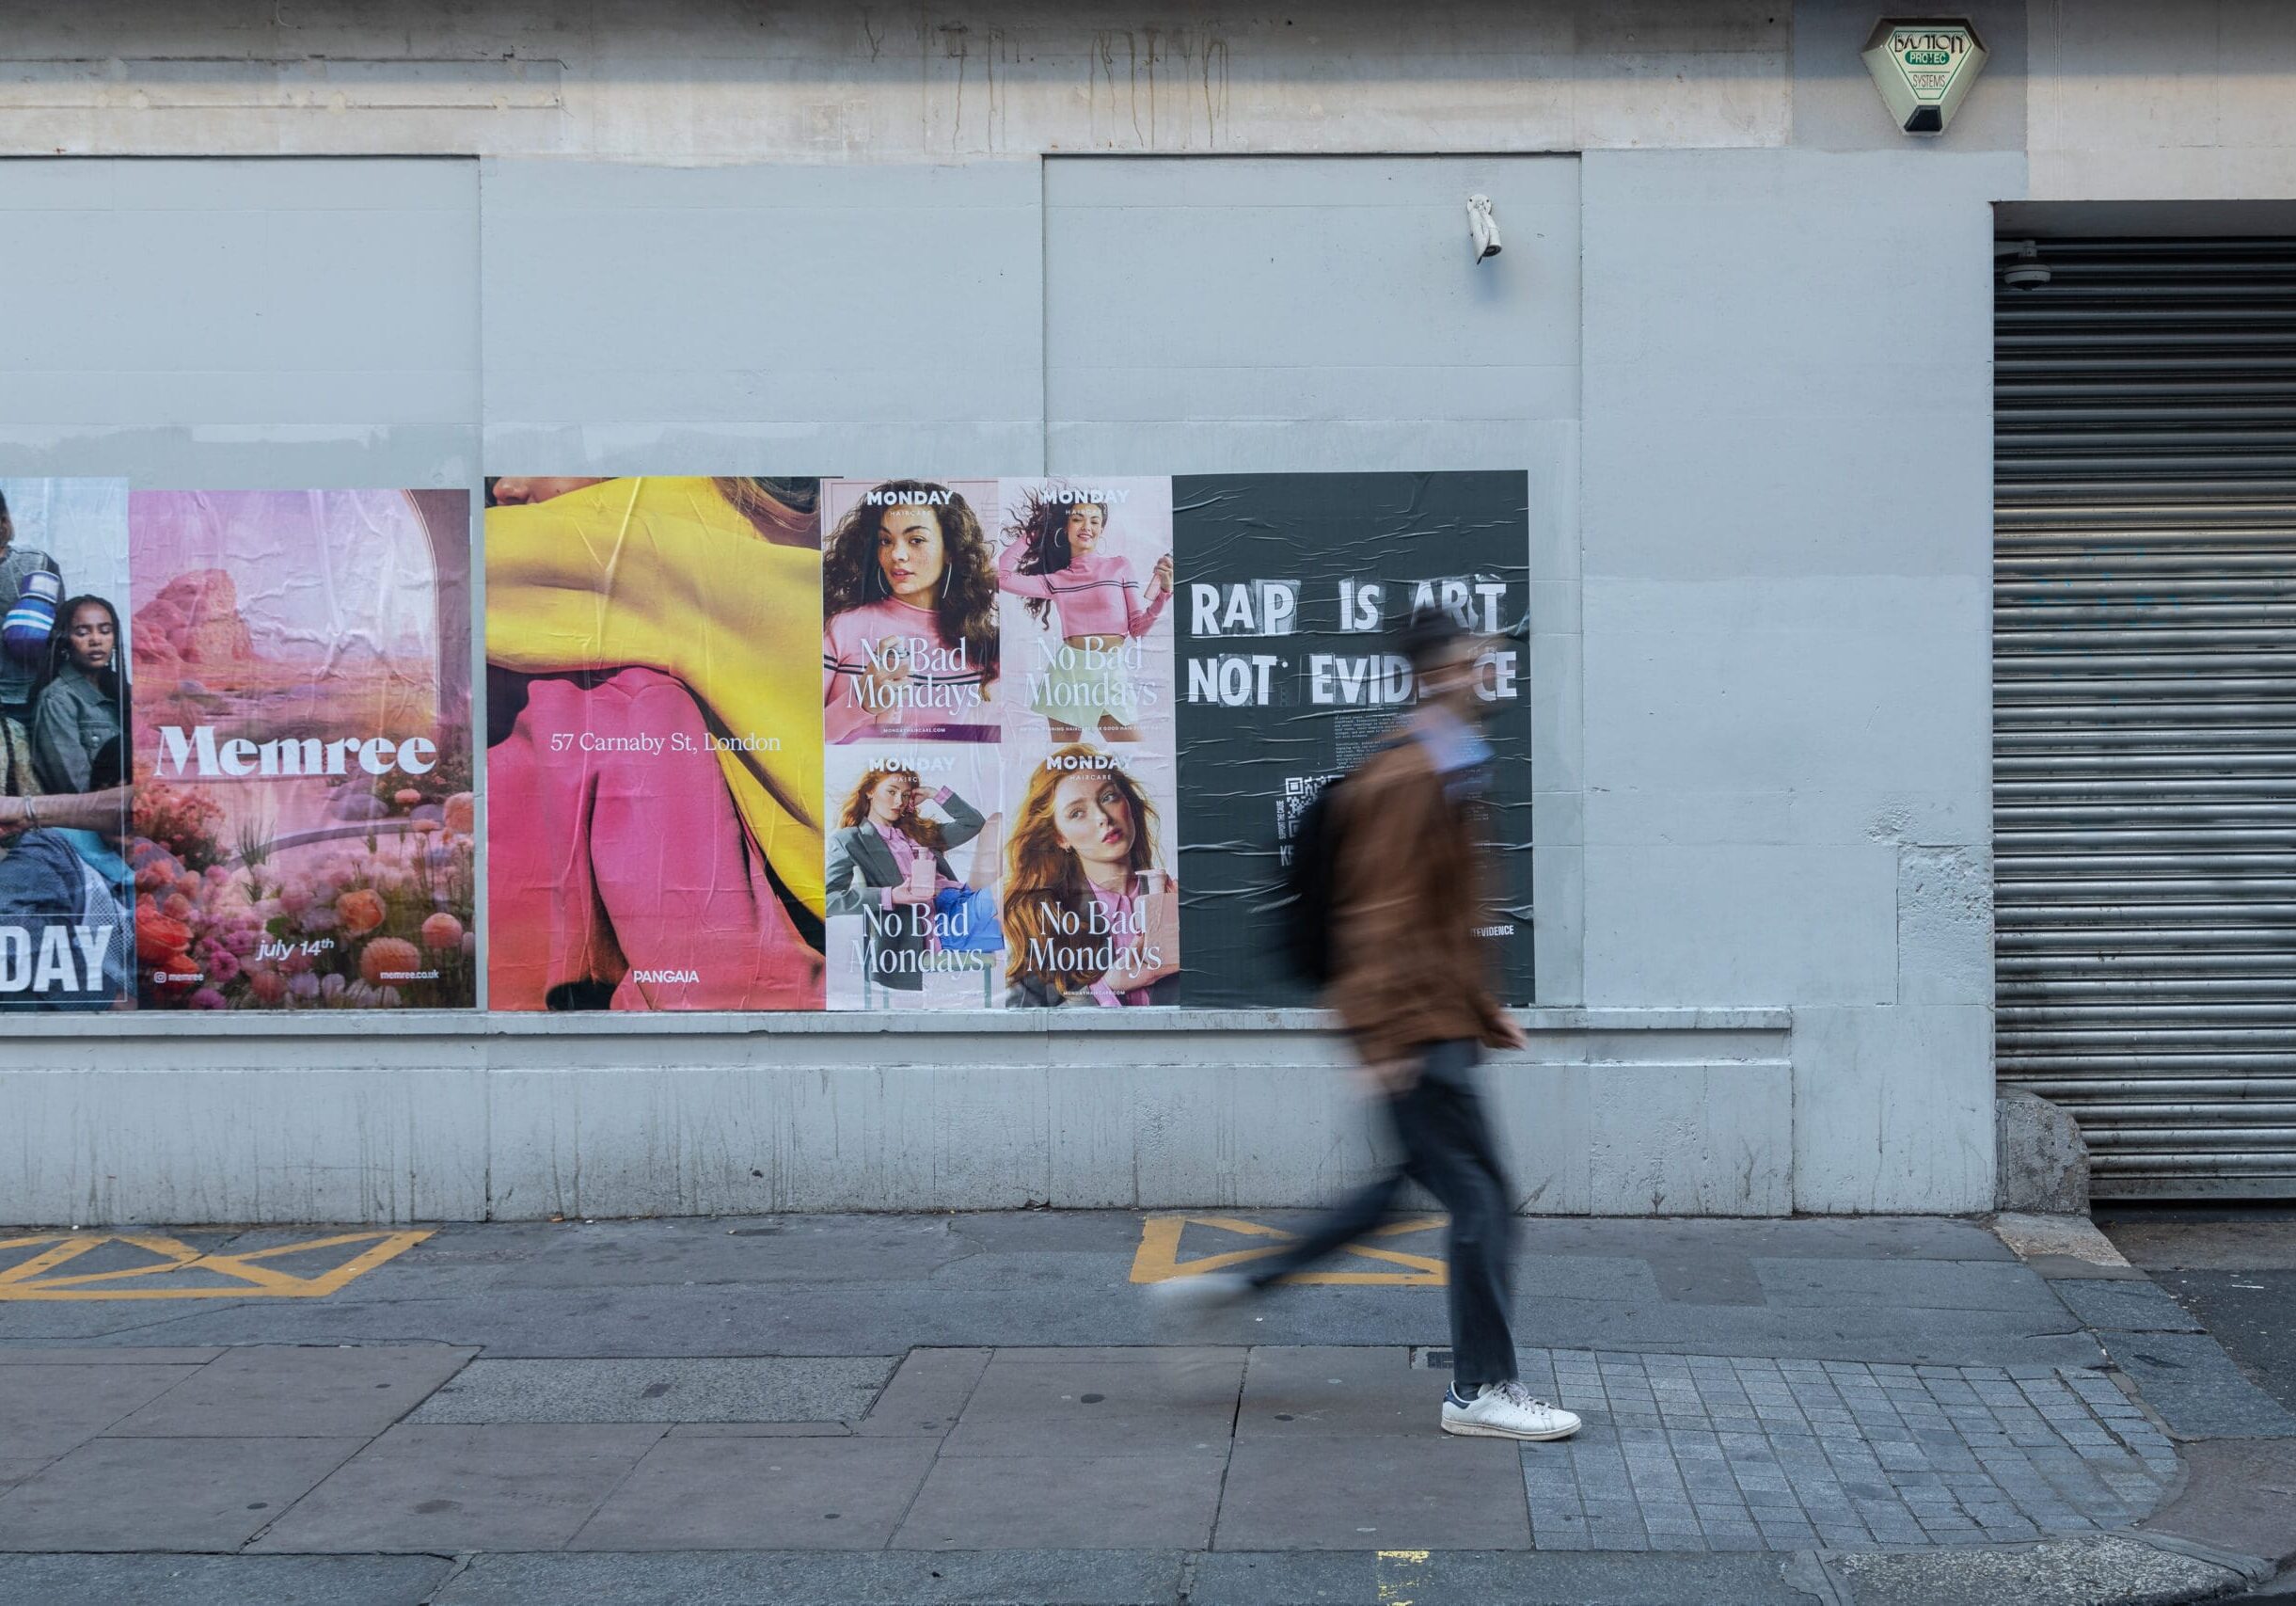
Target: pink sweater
x=1096, y=594
x=630, y=870
x=946, y=687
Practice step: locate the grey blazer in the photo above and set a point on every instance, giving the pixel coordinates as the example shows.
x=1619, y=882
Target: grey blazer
x=861, y=867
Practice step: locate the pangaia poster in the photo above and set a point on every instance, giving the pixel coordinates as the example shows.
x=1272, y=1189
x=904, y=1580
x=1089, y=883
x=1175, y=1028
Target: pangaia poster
x=304, y=815
x=654, y=744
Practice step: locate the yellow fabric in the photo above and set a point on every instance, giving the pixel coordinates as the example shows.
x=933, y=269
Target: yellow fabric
x=665, y=574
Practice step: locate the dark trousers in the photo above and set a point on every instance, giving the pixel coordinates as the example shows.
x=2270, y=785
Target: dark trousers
x=1447, y=1151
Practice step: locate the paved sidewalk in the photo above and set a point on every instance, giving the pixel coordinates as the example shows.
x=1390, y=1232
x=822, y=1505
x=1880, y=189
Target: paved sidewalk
x=984, y=1408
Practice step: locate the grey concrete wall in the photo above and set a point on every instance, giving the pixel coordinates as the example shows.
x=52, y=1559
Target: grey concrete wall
x=717, y=81
x=761, y=319
x=1353, y=327
x=240, y=324
x=1788, y=525
x=1759, y=456
x=2136, y=102
x=400, y=1118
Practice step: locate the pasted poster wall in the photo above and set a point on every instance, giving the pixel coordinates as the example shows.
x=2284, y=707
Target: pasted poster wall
x=239, y=758
x=1060, y=731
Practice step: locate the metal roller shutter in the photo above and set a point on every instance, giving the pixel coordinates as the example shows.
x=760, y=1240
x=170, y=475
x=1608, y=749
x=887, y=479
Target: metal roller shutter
x=2145, y=706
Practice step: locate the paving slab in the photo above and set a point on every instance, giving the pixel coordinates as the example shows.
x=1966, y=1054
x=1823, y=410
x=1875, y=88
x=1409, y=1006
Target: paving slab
x=2000, y=1286
x=2128, y=1305
x=1119, y=1503
x=2239, y=1496
x=776, y=1250
x=678, y=1389
x=93, y=1355
x=841, y=1319
x=445, y=1489
x=1023, y=1405
x=1323, y=1391
x=298, y=1392
x=724, y=1492
x=2195, y=1388
x=879, y=1285
x=1431, y=1492
x=762, y=1430
x=164, y=1494
x=1490, y=1578
x=932, y=1578
x=2066, y=1572
x=927, y=1390
x=206, y=1581
x=47, y=1410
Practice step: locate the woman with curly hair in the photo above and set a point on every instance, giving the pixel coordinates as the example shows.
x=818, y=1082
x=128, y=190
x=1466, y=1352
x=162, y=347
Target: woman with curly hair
x=1090, y=920
x=1054, y=557
x=888, y=862
x=909, y=596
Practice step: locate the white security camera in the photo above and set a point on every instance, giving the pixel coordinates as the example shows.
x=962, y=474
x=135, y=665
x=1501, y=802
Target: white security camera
x=1483, y=226
x=2026, y=270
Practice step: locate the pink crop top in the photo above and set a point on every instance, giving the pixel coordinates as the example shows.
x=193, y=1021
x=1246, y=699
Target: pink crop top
x=1096, y=594
x=946, y=689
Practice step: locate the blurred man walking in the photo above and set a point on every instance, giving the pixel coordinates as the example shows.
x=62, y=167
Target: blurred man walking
x=1408, y=976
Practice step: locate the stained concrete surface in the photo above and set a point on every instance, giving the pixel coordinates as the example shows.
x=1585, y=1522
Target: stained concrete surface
x=1780, y=1389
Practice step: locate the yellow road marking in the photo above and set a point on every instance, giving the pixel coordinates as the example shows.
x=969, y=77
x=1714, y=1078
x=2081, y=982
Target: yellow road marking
x=1398, y=1571
x=248, y=1279
x=55, y=1254
x=1158, y=1260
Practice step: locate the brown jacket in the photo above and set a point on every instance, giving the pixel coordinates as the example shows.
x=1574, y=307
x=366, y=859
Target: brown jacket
x=1407, y=898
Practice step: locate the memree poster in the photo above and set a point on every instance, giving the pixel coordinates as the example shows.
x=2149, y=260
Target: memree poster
x=1290, y=585
x=304, y=808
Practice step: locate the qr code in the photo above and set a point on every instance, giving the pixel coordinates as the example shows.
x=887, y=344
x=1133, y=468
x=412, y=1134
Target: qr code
x=1299, y=791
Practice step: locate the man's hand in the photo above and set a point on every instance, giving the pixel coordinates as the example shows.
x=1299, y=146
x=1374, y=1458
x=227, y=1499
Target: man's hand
x=1389, y=1077
x=1510, y=1033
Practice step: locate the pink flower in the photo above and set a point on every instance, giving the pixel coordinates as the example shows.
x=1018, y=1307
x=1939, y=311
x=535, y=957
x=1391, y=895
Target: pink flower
x=295, y=962
x=294, y=897
x=175, y=905
x=222, y=966
x=267, y=985
x=361, y=911
x=318, y=921
x=331, y=986
x=241, y=938
x=442, y=933
x=406, y=796
x=207, y=999
x=460, y=813
x=386, y=957
x=305, y=986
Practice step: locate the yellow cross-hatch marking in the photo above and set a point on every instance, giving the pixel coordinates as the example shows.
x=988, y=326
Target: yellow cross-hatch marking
x=1158, y=1257
x=160, y=1266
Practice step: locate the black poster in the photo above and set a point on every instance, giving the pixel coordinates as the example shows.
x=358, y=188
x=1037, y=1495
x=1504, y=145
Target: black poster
x=1289, y=586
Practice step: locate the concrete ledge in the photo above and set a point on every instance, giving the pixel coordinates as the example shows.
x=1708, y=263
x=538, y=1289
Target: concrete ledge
x=1062, y=1022
x=402, y=1117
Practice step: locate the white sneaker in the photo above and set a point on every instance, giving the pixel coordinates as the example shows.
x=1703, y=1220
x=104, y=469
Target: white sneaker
x=1204, y=1294
x=1505, y=1410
